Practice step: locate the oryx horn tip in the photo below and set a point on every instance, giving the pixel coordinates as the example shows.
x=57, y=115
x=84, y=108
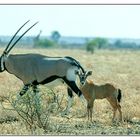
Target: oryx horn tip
x=37, y=22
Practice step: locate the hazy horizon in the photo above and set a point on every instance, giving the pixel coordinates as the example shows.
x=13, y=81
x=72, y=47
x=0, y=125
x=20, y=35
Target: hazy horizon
x=109, y=21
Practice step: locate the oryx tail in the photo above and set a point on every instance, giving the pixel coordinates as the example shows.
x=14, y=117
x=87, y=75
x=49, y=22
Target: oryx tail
x=75, y=62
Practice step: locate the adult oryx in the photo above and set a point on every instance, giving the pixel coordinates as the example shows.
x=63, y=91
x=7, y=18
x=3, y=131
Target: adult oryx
x=35, y=69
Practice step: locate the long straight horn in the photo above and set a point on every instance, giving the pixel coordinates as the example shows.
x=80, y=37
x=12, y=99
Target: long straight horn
x=21, y=37
x=5, y=51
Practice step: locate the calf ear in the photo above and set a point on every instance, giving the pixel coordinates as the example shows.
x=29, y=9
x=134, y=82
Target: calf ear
x=89, y=73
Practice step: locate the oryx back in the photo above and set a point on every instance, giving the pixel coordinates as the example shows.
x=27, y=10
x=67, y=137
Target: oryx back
x=50, y=67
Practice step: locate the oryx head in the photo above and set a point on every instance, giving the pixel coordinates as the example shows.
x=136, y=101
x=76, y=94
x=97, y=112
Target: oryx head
x=83, y=76
x=8, y=48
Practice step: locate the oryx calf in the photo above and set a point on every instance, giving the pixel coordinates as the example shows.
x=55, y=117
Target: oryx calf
x=35, y=69
x=92, y=91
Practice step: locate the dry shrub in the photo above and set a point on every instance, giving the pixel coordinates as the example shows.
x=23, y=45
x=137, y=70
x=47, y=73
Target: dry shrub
x=32, y=109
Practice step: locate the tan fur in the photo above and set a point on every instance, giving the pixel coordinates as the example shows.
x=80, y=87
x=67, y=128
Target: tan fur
x=92, y=92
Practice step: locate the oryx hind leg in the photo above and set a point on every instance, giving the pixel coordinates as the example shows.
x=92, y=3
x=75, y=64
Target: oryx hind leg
x=120, y=111
x=72, y=85
x=69, y=103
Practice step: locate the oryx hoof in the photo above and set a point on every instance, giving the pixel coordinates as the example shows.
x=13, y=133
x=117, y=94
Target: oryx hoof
x=21, y=94
x=64, y=113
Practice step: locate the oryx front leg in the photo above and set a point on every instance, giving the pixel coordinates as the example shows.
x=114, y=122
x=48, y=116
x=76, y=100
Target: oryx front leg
x=24, y=90
x=36, y=97
x=35, y=89
x=36, y=93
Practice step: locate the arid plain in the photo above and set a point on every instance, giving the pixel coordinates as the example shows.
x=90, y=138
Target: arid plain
x=118, y=67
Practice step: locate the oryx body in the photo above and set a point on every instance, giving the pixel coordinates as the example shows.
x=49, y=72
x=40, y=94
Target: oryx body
x=39, y=69
x=35, y=69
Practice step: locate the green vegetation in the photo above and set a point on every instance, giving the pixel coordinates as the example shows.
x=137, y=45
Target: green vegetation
x=55, y=36
x=48, y=43
x=45, y=43
x=96, y=43
x=120, y=44
x=31, y=109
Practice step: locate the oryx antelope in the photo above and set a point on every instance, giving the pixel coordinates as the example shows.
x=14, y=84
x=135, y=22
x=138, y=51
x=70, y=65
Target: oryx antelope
x=92, y=91
x=35, y=69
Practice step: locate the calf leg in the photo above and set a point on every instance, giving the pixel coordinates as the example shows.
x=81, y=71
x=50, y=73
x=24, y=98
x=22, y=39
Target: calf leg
x=114, y=113
x=90, y=109
x=113, y=103
x=119, y=109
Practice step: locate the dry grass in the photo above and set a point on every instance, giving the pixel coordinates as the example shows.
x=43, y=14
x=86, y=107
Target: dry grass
x=120, y=68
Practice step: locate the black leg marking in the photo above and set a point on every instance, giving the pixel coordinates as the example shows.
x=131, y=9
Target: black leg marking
x=24, y=90
x=35, y=88
x=73, y=86
x=70, y=94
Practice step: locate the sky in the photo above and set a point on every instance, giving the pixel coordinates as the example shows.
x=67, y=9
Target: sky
x=119, y=21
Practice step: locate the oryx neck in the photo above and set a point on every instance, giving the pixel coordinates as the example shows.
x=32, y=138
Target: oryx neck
x=3, y=58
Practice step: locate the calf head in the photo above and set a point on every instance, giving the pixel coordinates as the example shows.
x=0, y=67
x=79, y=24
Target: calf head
x=83, y=76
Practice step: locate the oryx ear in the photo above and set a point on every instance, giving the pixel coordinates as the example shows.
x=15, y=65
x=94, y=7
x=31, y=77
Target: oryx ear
x=76, y=72
x=89, y=73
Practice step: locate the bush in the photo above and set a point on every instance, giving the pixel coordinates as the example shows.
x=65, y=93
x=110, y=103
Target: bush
x=45, y=43
x=96, y=43
x=32, y=109
x=90, y=46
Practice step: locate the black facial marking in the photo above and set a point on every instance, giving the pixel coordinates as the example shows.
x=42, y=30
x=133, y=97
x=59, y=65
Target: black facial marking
x=83, y=76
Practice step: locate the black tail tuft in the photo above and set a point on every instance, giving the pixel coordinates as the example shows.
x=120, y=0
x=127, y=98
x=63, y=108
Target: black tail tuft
x=75, y=62
x=119, y=95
